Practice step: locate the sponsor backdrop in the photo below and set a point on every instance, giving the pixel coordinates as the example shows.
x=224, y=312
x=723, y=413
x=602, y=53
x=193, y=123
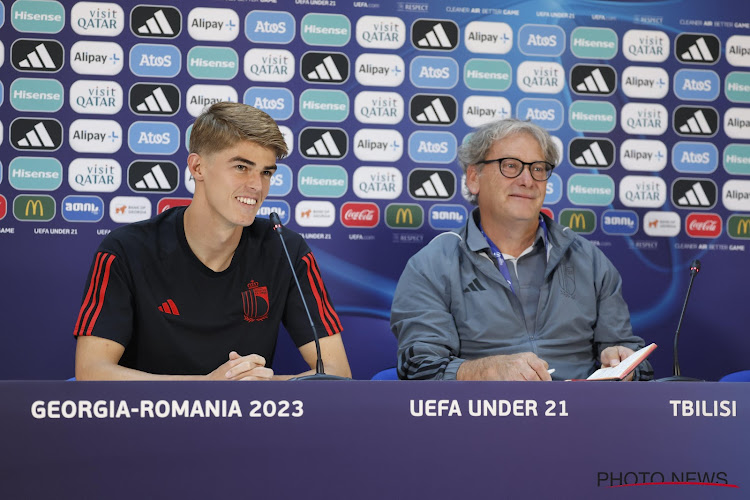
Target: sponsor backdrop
x=651, y=113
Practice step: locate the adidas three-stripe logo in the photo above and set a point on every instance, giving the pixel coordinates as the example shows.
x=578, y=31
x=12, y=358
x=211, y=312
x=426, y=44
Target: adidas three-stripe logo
x=432, y=184
x=95, y=294
x=598, y=80
x=696, y=121
x=150, y=99
x=169, y=307
x=155, y=21
x=434, y=34
x=37, y=55
x=153, y=177
x=694, y=193
x=35, y=134
x=325, y=67
x=697, y=48
x=596, y=153
x=433, y=109
x=474, y=286
x=323, y=143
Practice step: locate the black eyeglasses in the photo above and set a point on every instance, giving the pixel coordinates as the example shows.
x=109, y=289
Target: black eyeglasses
x=512, y=168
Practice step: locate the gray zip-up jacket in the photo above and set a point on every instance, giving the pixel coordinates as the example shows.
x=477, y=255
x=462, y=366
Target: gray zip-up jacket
x=452, y=304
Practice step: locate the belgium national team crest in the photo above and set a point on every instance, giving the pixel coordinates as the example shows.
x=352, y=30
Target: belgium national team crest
x=255, y=302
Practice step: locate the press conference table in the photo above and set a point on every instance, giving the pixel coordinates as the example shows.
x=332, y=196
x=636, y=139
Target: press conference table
x=362, y=440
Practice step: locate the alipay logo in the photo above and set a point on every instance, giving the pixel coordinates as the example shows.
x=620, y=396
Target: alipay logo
x=265, y=26
x=735, y=195
x=216, y=25
x=277, y=102
x=153, y=177
x=432, y=147
x=379, y=70
x=378, y=145
x=95, y=136
x=31, y=134
x=269, y=65
x=488, y=38
x=377, y=32
x=161, y=61
x=199, y=97
x=96, y=58
x=157, y=100
x=97, y=175
x=384, y=108
x=620, y=222
x=97, y=19
x=279, y=206
x=737, y=123
x=154, y=138
x=447, y=217
x=76, y=208
x=96, y=97
x=155, y=21
x=645, y=82
x=738, y=50
x=281, y=181
x=46, y=56
x=643, y=155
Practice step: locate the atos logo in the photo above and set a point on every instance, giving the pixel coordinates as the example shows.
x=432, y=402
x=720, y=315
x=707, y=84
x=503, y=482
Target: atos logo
x=265, y=26
x=547, y=113
x=155, y=21
x=593, y=80
x=694, y=194
x=665, y=224
x=95, y=136
x=554, y=190
x=643, y=155
x=360, y=214
x=376, y=32
x=269, y=65
x=77, y=208
x=380, y=70
x=200, y=97
x=323, y=143
x=541, y=40
x=37, y=55
x=154, y=138
x=697, y=85
x=325, y=67
x=36, y=16
x=432, y=147
x=695, y=121
x=488, y=38
x=447, y=217
x=281, y=181
x=168, y=203
x=378, y=145
x=645, y=45
x=644, y=82
x=277, y=102
x=700, y=225
x=279, y=206
x=432, y=184
x=153, y=177
x=128, y=209
x=97, y=19
x=384, y=108
x=215, y=25
x=31, y=134
x=160, y=61
x=620, y=222
x=433, y=72
x=695, y=157
x=427, y=109
x=96, y=58
x=434, y=34
x=96, y=97
x=157, y=100
x=697, y=48
x=591, y=153
x=96, y=175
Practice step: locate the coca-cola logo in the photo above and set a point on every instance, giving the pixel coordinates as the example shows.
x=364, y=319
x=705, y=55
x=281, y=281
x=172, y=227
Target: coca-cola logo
x=703, y=225
x=354, y=214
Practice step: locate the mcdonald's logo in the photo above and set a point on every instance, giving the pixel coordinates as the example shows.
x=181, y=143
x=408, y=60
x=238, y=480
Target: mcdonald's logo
x=404, y=216
x=580, y=221
x=738, y=227
x=40, y=208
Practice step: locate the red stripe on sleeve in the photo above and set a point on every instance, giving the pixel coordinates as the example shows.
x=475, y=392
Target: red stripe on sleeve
x=321, y=311
x=329, y=307
x=87, y=305
x=102, y=290
x=173, y=306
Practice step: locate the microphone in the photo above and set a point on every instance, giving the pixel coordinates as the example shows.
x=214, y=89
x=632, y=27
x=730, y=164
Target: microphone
x=320, y=373
x=695, y=268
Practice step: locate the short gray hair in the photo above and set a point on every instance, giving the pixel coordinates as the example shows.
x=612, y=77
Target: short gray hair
x=475, y=148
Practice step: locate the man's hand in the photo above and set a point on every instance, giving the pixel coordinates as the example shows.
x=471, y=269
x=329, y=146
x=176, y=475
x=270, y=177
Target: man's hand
x=611, y=357
x=251, y=367
x=522, y=366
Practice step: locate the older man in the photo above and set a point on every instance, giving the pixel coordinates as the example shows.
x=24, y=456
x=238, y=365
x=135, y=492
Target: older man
x=512, y=294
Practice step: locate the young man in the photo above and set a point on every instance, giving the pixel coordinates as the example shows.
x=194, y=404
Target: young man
x=198, y=293
x=513, y=293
